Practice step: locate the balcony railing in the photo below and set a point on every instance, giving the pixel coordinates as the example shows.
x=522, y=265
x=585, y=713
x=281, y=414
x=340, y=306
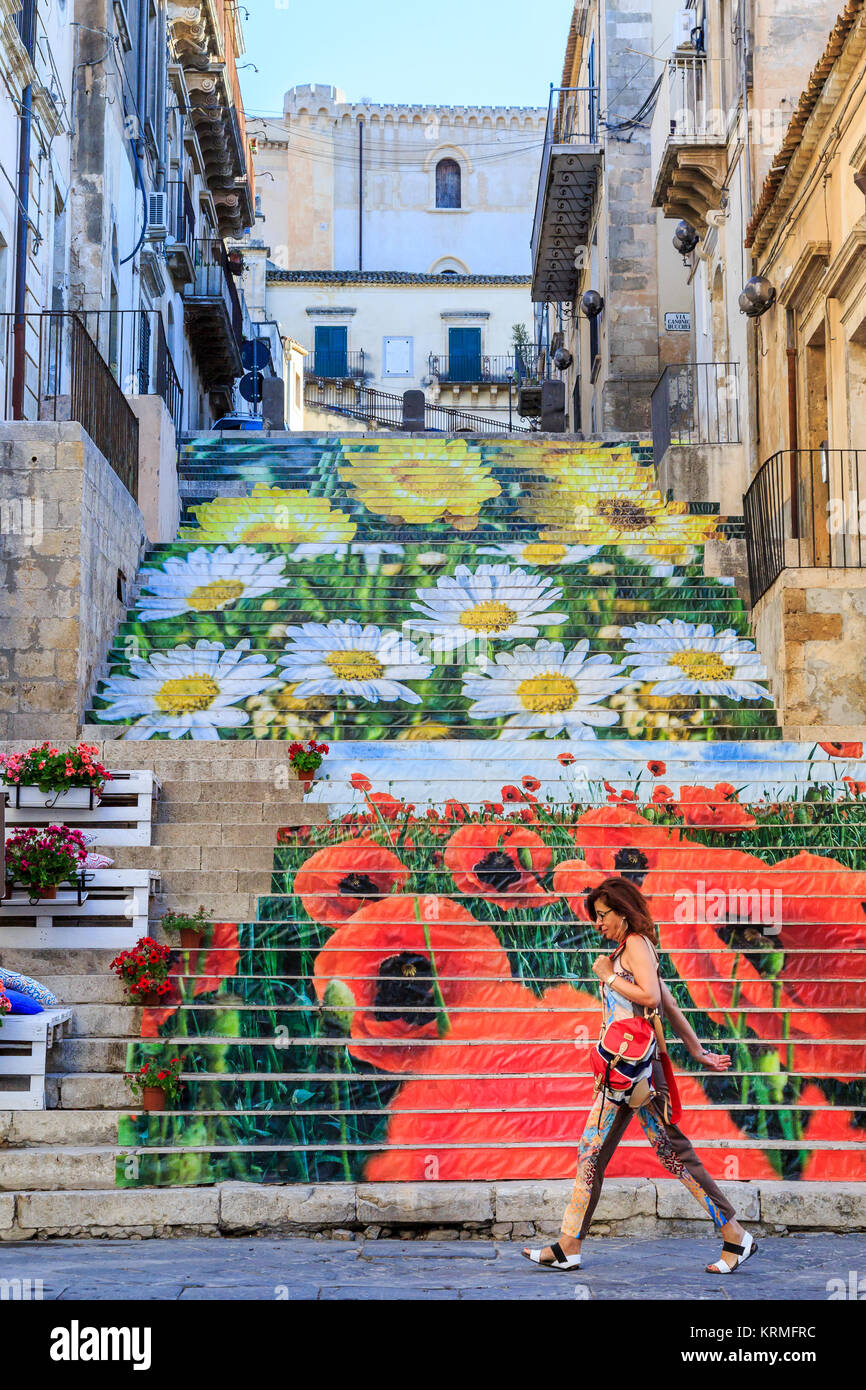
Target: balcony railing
x=63, y=376
x=687, y=118
x=133, y=345
x=385, y=408
x=469, y=368
x=336, y=364
x=25, y=22
x=805, y=508
x=696, y=403
x=570, y=165
x=214, y=281
x=181, y=215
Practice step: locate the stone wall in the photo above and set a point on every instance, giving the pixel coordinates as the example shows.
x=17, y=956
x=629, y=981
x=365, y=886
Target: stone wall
x=157, y=467
x=71, y=542
x=810, y=628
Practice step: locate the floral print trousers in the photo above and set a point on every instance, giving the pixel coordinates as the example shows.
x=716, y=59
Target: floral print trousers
x=606, y=1124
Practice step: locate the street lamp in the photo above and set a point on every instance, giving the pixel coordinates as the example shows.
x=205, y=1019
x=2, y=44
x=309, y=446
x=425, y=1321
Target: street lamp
x=511, y=377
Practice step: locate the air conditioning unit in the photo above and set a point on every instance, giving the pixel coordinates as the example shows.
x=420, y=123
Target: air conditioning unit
x=157, y=216
x=684, y=22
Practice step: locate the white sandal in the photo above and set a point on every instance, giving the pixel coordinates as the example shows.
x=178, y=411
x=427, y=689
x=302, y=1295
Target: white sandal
x=743, y=1252
x=560, y=1259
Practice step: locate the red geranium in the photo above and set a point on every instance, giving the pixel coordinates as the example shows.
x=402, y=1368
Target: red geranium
x=499, y=861
x=387, y=963
x=338, y=880
x=206, y=968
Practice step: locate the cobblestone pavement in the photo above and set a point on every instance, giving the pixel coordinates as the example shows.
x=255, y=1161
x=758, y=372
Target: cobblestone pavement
x=789, y=1268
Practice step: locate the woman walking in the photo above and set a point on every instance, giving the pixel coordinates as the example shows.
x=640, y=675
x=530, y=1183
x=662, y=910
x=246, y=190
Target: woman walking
x=632, y=987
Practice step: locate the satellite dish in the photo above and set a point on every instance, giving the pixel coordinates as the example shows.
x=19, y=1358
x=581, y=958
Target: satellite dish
x=250, y=387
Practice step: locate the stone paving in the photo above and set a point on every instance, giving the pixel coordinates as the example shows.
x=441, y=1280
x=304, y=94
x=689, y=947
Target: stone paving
x=789, y=1268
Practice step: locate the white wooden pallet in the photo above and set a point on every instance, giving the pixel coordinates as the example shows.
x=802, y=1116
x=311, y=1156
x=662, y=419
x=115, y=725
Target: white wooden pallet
x=124, y=816
x=25, y=1041
x=113, y=915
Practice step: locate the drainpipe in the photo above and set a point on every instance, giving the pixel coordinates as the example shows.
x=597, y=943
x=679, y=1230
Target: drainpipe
x=360, y=192
x=22, y=222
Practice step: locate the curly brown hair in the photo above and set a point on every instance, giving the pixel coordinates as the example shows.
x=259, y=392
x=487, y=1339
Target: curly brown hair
x=629, y=901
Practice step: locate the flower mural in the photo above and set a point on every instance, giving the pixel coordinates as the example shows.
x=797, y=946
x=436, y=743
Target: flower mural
x=417, y=988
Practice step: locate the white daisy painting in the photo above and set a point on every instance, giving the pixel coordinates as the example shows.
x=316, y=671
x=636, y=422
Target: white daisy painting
x=373, y=553
x=680, y=658
x=546, y=689
x=544, y=554
x=344, y=658
x=208, y=581
x=495, y=602
x=188, y=691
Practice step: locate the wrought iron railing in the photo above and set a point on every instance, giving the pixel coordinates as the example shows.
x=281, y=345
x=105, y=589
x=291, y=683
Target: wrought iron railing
x=381, y=407
x=214, y=280
x=133, y=344
x=54, y=370
x=696, y=403
x=805, y=509
x=572, y=119
x=499, y=369
x=335, y=364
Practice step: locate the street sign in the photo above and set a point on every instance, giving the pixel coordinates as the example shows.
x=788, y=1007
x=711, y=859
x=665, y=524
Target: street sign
x=678, y=323
x=250, y=387
x=255, y=353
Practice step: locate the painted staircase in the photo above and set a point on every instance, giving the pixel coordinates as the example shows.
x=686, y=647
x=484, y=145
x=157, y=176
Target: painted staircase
x=527, y=683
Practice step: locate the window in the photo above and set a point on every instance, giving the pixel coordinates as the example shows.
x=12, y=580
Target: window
x=331, y=351
x=448, y=179
x=464, y=354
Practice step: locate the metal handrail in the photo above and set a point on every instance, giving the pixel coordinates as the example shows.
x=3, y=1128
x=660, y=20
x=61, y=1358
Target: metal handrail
x=805, y=508
x=497, y=369
x=696, y=403
x=382, y=407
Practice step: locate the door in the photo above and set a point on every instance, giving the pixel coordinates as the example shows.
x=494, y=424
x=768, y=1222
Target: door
x=331, y=344
x=464, y=354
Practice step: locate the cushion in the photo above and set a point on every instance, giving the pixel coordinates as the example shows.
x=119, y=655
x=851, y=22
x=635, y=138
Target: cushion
x=22, y=1003
x=98, y=861
x=22, y=984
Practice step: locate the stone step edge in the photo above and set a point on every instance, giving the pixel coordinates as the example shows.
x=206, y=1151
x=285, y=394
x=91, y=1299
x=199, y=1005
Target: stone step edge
x=628, y=1207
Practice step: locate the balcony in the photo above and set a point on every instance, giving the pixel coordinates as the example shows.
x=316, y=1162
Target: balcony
x=687, y=142
x=180, y=243
x=52, y=369
x=481, y=369
x=336, y=364
x=214, y=317
x=204, y=39
x=570, y=167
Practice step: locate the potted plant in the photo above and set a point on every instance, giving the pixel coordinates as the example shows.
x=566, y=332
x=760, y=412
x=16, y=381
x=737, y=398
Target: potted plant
x=306, y=759
x=190, y=926
x=144, y=972
x=44, y=776
x=156, y=1084
x=44, y=856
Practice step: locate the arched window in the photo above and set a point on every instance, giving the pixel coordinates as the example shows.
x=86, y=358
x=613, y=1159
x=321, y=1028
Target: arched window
x=448, y=184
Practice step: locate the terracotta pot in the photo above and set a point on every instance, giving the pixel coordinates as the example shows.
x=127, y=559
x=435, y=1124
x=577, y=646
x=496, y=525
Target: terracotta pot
x=43, y=892
x=153, y=1098
x=152, y=1000
x=8, y=888
x=191, y=938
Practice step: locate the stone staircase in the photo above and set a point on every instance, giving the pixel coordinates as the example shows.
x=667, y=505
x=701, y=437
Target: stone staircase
x=527, y=682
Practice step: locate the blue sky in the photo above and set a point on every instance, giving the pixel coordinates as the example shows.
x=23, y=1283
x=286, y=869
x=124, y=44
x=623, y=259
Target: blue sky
x=453, y=52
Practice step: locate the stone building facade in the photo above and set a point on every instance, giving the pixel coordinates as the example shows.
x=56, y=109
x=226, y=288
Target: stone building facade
x=401, y=233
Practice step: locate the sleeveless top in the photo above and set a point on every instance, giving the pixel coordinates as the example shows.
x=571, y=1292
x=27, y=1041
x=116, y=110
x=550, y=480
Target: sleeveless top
x=616, y=1005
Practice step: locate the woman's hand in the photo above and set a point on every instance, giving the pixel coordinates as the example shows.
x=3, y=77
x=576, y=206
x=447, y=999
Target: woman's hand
x=603, y=967
x=713, y=1061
